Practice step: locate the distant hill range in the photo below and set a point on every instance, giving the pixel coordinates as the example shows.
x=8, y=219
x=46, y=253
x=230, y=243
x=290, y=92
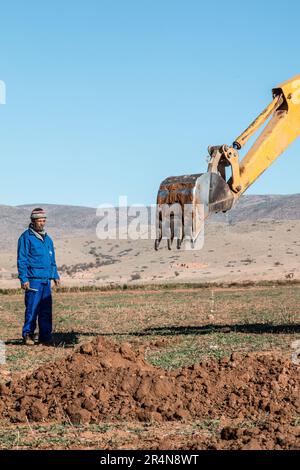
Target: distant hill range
x=64, y=220
x=257, y=239
x=277, y=207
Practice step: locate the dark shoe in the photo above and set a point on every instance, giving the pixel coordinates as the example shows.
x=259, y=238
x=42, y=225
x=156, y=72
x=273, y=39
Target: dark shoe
x=48, y=342
x=28, y=339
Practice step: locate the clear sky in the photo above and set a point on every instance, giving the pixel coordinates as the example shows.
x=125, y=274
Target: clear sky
x=108, y=97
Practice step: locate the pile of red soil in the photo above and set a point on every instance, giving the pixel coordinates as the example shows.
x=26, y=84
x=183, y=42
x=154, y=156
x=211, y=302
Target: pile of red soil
x=104, y=381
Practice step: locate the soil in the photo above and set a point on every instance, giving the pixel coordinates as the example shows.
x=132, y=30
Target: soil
x=255, y=397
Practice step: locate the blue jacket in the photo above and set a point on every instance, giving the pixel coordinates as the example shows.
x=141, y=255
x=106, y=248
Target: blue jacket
x=36, y=258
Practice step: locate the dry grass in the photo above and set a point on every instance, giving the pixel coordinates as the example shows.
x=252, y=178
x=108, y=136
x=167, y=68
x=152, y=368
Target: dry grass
x=177, y=326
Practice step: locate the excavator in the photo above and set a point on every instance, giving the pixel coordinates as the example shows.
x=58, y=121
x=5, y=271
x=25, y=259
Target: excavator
x=227, y=178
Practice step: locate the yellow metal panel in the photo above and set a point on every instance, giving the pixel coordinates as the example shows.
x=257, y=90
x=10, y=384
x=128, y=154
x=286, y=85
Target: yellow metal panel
x=281, y=131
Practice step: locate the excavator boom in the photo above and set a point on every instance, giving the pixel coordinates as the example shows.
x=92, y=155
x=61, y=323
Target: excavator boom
x=213, y=191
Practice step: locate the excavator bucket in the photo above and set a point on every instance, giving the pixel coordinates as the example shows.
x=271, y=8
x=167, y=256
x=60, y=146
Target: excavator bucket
x=184, y=202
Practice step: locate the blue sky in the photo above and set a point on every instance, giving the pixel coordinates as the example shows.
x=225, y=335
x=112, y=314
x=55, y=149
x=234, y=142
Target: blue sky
x=108, y=97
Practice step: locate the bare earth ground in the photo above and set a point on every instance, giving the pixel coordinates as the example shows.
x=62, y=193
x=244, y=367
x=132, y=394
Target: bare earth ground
x=247, y=250
x=156, y=368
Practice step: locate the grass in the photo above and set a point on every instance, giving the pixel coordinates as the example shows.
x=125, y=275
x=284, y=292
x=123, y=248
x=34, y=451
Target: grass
x=52, y=435
x=177, y=327
x=296, y=421
x=127, y=435
x=17, y=356
x=210, y=425
x=65, y=436
x=142, y=286
x=192, y=350
x=190, y=323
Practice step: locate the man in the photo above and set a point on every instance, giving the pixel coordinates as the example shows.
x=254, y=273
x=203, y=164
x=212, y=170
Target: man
x=36, y=268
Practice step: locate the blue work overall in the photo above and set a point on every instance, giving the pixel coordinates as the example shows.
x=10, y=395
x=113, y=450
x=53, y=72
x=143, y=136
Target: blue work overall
x=38, y=308
x=37, y=265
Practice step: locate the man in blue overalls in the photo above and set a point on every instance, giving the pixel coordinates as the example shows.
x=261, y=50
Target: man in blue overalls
x=36, y=268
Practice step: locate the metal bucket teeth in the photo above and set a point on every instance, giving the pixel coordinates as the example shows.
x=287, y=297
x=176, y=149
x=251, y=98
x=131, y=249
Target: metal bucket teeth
x=184, y=202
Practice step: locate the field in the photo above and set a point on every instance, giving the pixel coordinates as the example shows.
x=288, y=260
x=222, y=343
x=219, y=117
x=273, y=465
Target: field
x=210, y=368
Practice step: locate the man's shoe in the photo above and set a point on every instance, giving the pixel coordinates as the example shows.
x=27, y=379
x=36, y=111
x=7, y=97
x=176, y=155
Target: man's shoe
x=28, y=339
x=48, y=342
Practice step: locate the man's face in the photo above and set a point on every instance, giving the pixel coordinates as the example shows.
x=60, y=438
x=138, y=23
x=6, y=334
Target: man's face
x=39, y=224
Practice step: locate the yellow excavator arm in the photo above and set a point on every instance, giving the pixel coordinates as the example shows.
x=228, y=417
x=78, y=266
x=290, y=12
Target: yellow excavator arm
x=213, y=190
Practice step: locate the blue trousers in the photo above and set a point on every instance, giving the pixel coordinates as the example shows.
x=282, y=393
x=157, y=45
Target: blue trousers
x=38, y=307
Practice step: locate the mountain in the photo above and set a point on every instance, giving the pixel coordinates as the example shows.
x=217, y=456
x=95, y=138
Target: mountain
x=257, y=239
x=276, y=207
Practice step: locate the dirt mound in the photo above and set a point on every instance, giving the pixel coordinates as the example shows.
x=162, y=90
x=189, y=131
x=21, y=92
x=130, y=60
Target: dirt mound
x=104, y=381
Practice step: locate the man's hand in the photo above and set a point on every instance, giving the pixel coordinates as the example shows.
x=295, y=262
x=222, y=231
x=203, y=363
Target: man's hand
x=25, y=286
x=57, y=282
